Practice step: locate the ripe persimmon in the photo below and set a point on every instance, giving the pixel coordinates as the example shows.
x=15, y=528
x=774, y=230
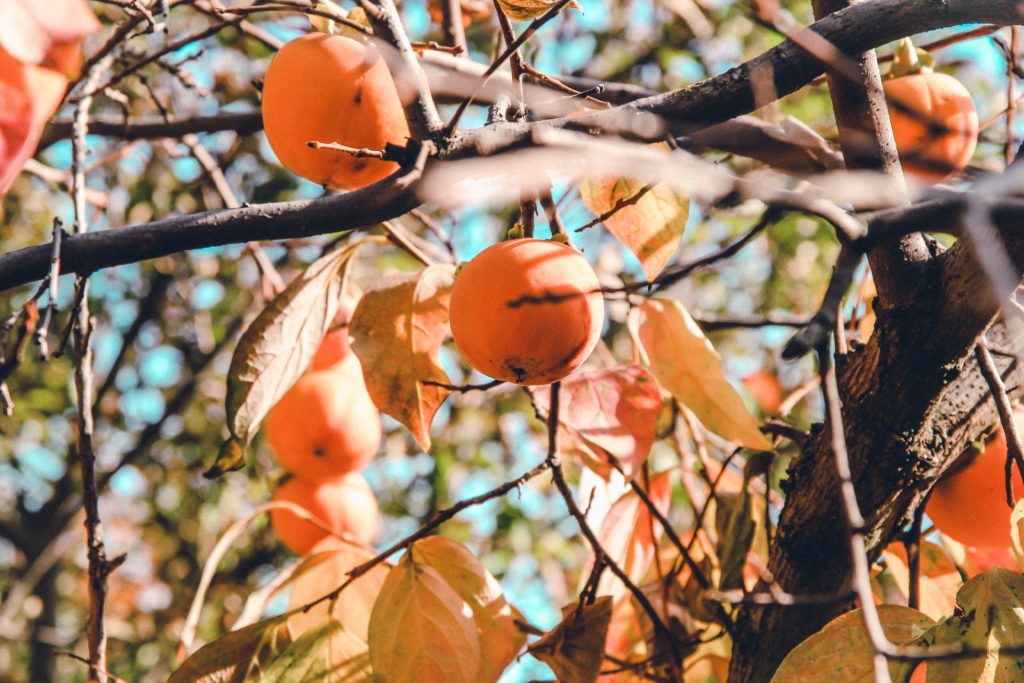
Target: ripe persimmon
x=968, y=503
x=326, y=425
x=527, y=311
x=347, y=506
x=472, y=10
x=332, y=89
x=933, y=118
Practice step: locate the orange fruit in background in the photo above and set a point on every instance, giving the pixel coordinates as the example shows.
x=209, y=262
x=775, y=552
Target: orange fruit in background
x=536, y=342
x=472, y=10
x=326, y=425
x=332, y=89
x=934, y=122
x=969, y=504
x=347, y=506
x=335, y=347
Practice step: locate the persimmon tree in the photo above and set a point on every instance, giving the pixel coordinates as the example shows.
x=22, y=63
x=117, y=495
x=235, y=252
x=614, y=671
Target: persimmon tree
x=729, y=478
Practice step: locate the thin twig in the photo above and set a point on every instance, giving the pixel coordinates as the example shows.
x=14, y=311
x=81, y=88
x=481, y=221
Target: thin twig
x=1014, y=450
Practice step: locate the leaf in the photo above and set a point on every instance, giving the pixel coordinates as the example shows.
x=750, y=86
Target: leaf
x=324, y=572
x=421, y=631
x=686, y=365
x=990, y=617
x=611, y=414
x=28, y=97
x=651, y=227
x=524, y=10
x=735, y=525
x=47, y=34
x=938, y=581
x=630, y=533
x=327, y=653
x=397, y=331
x=575, y=648
x=841, y=652
x=500, y=639
x=280, y=343
x=230, y=658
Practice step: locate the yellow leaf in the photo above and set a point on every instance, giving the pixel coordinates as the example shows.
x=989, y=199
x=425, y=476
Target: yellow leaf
x=841, y=652
x=500, y=638
x=651, y=227
x=990, y=618
x=321, y=573
x=524, y=10
x=575, y=648
x=685, y=364
x=421, y=631
x=938, y=581
x=397, y=331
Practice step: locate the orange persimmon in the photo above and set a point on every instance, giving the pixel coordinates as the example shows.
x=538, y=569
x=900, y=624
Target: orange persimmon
x=933, y=118
x=326, y=425
x=347, y=506
x=968, y=503
x=527, y=311
x=335, y=347
x=332, y=89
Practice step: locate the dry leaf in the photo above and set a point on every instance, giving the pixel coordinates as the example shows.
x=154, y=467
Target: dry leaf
x=327, y=653
x=651, y=228
x=500, y=639
x=938, y=581
x=685, y=364
x=575, y=648
x=421, y=631
x=397, y=331
x=630, y=533
x=990, y=617
x=612, y=416
x=321, y=573
x=842, y=653
x=228, y=659
x=524, y=10
x=280, y=344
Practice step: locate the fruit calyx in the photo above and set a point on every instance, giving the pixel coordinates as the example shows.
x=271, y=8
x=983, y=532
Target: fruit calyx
x=909, y=60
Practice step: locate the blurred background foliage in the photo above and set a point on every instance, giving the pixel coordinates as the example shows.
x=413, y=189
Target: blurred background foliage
x=166, y=328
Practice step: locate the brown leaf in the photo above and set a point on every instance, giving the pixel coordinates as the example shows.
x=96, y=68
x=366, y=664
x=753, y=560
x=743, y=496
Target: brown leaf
x=630, y=533
x=500, y=639
x=575, y=648
x=280, y=343
x=421, y=631
x=229, y=659
x=397, y=331
x=650, y=224
x=524, y=10
x=688, y=367
x=322, y=572
x=842, y=653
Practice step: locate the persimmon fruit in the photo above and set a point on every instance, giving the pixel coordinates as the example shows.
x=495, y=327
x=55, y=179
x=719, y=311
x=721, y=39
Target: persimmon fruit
x=527, y=311
x=968, y=503
x=328, y=88
x=933, y=118
x=335, y=346
x=326, y=425
x=347, y=506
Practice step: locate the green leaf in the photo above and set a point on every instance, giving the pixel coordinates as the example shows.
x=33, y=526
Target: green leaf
x=236, y=656
x=990, y=617
x=735, y=524
x=280, y=343
x=328, y=653
x=841, y=652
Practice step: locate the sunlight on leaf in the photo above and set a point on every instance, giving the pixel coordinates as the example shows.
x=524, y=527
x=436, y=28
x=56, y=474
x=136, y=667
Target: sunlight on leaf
x=397, y=331
x=611, y=415
x=575, y=648
x=421, y=631
x=524, y=10
x=842, y=653
x=990, y=617
x=651, y=228
x=938, y=581
x=686, y=365
x=327, y=653
x=500, y=638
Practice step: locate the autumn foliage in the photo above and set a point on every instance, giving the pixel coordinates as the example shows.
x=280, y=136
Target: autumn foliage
x=332, y=89
x=527, y=311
